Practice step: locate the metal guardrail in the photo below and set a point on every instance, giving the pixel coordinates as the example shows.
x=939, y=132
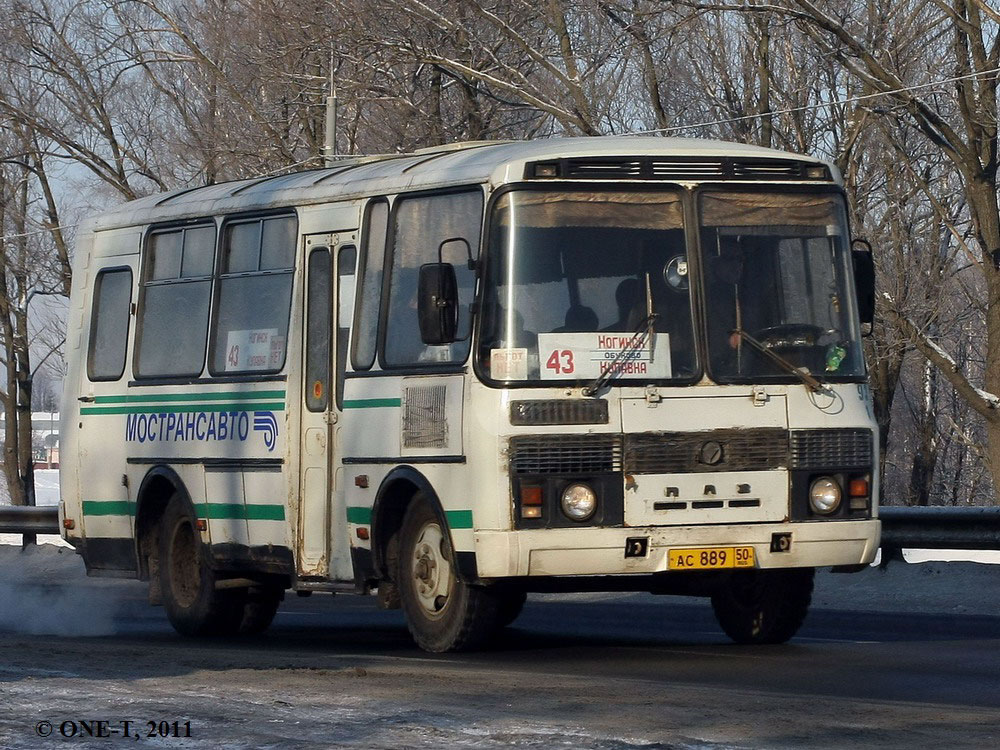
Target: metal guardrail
x=940, y=528
x=902, y=527
x=29, y=519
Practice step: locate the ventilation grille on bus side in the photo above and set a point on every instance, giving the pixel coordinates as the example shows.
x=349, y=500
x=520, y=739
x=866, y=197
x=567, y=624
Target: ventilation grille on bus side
x=679, y=168
x=566, y=454
x=678, y=452
x=831, y=449
x=424, y=418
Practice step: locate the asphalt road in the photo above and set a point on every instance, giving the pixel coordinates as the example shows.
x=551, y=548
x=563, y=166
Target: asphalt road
x=609, y=672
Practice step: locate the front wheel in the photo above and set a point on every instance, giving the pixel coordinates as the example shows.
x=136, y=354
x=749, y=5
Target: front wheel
x=442, y=612
x=763, y=606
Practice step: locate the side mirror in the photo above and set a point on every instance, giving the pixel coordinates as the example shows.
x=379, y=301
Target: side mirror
x=864, y=281
x=437, y=303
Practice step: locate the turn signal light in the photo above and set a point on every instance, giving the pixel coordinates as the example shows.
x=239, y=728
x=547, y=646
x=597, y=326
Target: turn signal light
x=858, y=488
x=201, y=524
x=531, y=496
x=69, y=523
x=531, y=511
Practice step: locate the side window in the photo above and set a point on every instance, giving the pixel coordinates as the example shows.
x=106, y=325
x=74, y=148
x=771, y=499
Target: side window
x=366, y=325
x=318, y=314
x=109, y=324
x=422, y=224
x=254, y=296
x=176, y=288
x=347, y=261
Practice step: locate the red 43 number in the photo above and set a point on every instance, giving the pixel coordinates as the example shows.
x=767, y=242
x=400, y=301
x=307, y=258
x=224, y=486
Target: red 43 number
x=560, y=362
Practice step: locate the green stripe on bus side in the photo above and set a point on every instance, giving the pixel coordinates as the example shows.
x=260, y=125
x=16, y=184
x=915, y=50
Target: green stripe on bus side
x=459, y=519
x=136, y=398
x=108, y=508
x=251, y=512
x=371, y=403
x=183, y=408
x=359, y=515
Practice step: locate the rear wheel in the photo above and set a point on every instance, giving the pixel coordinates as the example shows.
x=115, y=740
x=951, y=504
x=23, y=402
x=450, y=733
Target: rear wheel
x=260, y=609
x=442, y=612
x=187, y=579
x=764, y=606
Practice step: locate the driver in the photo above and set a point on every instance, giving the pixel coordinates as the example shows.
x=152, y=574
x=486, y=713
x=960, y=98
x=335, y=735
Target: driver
x=628, y=297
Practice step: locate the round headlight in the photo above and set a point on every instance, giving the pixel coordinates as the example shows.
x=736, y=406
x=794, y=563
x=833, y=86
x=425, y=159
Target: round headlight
x=579, y=502
x=824, y=495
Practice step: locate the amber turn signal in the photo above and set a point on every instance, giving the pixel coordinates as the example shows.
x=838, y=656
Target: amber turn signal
x=858, y=488
x=531, y=496
x=69, y=523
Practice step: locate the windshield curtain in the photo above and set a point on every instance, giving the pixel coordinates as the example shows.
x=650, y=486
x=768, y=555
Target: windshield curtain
x=778, y=267
x=571, y=276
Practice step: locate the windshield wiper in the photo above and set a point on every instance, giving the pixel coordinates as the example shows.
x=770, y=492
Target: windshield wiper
x=801, y=373
x=642, y=332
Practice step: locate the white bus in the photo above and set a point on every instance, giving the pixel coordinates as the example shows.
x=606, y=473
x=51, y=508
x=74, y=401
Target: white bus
x=456, y=376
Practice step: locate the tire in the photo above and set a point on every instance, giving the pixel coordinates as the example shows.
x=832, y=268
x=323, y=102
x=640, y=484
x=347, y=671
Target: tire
x=442, y=613
x=764, y=606
x=509, y=606
x=259, y=610
x=187, y=579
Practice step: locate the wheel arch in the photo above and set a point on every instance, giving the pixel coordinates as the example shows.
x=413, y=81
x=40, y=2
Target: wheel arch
x=158, y=486
x=393, y=497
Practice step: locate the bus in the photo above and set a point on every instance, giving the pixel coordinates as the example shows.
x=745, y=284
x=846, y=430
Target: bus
x=453, y=377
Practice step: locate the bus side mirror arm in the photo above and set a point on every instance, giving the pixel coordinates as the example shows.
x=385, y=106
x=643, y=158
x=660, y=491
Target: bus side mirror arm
x=864, y=281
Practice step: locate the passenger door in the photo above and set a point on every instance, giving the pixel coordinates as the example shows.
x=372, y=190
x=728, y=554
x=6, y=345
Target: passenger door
x=323, y=545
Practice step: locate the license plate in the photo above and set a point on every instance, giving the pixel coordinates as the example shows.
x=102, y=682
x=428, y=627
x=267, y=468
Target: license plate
x=710, y=558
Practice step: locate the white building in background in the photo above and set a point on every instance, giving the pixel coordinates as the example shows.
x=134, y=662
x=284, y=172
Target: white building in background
x=44, y=438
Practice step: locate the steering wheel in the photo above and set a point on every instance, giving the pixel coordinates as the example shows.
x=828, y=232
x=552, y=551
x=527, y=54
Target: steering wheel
x=792, y=334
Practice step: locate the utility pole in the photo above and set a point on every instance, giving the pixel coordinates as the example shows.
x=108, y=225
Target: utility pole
x=330, y=142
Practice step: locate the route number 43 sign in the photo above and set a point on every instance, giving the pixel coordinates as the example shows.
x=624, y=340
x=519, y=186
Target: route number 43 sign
x=258, y=349
x=586, y=355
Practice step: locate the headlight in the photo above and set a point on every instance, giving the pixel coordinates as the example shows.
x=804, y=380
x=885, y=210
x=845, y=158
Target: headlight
x=579, y=502
x=824, y=495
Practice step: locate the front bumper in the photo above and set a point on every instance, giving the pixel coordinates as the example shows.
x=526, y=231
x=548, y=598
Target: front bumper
x=601, y=551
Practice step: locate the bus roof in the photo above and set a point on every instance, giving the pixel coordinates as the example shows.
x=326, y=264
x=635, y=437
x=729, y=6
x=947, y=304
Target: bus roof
x=458, y=163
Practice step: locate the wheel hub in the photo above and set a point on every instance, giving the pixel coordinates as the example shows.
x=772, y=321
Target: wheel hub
x=432, y=574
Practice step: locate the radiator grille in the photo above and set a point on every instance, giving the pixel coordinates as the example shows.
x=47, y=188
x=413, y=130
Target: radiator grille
x=566, y=454
x=711, y=450
x=685, y=168
x=831, y=449
x=559, y=411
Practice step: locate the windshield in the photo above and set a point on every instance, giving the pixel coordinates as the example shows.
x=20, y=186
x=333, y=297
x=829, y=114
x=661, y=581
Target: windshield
x=777, y=267
x=573, y=274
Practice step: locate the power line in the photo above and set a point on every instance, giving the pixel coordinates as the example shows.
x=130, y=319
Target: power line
x=38, y=231
x=71, y=226
x=808, y=107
